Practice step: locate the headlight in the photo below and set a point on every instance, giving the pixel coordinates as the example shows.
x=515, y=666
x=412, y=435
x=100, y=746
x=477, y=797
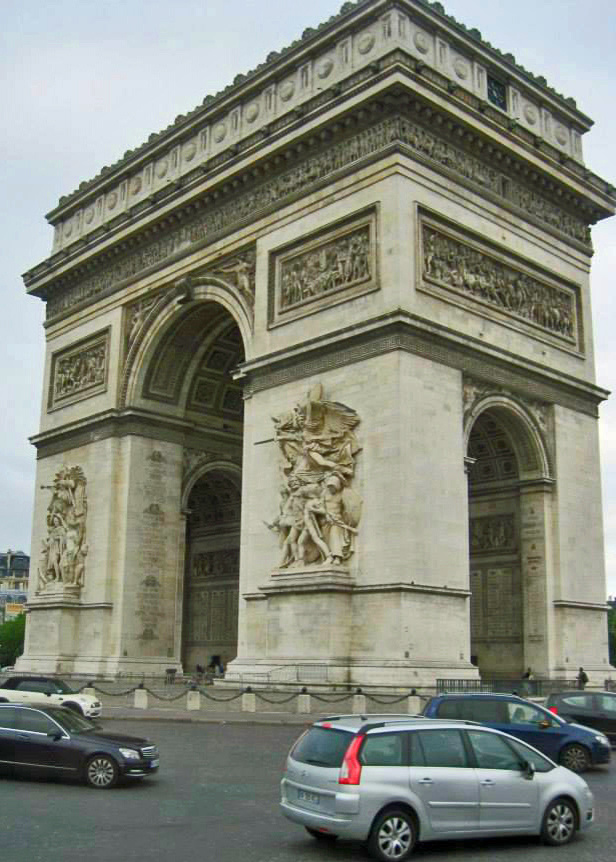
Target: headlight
x=130, y=754
x=602, y=739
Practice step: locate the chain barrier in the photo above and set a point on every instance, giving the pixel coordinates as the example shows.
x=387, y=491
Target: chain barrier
x=386, y=701
x=276, y=701
x=220, y=699
x=113, y=693
x=162, y=696
x=334, y=699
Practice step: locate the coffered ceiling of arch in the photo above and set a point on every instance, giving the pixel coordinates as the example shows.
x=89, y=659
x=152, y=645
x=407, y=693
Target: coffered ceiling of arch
x=490, y=446
x=214, y=501
x=202, y=346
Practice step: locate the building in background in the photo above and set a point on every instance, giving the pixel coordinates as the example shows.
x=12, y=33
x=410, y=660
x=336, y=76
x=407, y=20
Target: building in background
x=14, y=578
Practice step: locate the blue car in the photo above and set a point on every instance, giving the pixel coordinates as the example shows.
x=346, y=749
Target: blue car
x=572, y=745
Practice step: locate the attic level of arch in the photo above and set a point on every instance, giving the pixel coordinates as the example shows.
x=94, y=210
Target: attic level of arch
x=452, y=146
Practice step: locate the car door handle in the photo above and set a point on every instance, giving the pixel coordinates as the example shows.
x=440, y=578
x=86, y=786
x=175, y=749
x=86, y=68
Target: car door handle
x=487, y=782
x=425, y=781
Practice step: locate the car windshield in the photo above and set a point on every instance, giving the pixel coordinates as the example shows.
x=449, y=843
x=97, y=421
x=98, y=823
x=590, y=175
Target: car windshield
x=70, y=721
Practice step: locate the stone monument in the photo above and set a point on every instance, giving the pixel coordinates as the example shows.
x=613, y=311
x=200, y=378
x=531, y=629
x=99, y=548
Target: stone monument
x=320, y=395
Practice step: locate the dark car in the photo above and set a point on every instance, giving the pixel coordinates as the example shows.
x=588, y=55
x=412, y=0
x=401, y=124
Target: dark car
x=53, y=740
x=571, y=745
x=593, y=708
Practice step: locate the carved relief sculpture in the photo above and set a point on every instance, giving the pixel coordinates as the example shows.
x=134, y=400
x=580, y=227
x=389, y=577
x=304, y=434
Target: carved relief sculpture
x=319, y=271
x=79, y=372
x=466, y=269
x=64, y=550
x=319, y=510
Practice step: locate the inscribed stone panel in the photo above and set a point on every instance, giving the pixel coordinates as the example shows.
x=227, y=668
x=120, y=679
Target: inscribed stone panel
x=79, y=371
x=323, y=269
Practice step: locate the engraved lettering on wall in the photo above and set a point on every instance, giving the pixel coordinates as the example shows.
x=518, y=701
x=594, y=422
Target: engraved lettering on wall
x=80, y=371
x=466, y=268
x=63, y=552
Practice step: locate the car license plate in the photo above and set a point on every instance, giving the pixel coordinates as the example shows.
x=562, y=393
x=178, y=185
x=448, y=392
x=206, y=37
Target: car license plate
x=154, y=763
x=311, y=798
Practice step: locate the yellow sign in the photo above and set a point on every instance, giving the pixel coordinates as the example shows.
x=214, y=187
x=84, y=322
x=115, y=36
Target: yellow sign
x=13, y=609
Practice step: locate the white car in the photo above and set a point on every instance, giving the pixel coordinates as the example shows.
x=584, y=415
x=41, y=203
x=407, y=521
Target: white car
x=43, y=689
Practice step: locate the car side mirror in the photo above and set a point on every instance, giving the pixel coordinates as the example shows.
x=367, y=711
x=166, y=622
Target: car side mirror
x=55, y=735
x=528, y=769
x=545, y=723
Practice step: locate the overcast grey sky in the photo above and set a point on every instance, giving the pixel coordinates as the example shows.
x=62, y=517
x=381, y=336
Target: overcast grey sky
x=81, y=81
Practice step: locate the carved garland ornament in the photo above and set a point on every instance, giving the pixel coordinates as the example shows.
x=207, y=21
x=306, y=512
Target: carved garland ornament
x=63, y=553
x=319, y=510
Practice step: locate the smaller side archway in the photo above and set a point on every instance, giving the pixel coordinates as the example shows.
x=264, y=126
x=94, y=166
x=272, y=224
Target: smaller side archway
x=212, y=506
x=509, y=483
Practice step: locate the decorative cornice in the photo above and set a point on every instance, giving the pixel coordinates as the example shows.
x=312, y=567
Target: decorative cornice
x=368, y=27
x=396, y=123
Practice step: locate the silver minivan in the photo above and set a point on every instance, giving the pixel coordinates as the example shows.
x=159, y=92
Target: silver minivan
x=394, y=780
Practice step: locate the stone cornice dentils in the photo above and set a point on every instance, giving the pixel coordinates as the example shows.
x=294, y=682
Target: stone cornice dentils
x=325, y=38
x=274, y=70
x=255, y=172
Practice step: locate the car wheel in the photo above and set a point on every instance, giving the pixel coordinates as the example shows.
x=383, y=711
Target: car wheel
x=101, y=772
x=74, y=707
x=559, y=822
x=576, y=758
x=321, y=836
x=393, y=836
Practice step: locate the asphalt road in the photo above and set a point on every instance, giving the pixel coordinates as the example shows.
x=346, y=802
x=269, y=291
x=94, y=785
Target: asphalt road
x=215, y=799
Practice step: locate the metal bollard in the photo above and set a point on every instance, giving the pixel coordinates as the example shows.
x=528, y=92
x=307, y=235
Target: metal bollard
x=249, y=702
x=193, y=700
x=303, y=703
x=141, y=698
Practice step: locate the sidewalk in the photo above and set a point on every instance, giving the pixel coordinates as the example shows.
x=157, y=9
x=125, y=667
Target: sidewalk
x=124, y=713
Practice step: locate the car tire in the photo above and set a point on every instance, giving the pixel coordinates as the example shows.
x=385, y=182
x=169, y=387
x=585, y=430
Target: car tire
x=101, y=772
x=321, y=836
x=559, y=822
x=393, y=835
x=74, y=707
x=576, y=758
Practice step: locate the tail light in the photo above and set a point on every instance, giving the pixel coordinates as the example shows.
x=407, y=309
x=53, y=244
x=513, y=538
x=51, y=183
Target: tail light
x=553, y=709
x=350, y=771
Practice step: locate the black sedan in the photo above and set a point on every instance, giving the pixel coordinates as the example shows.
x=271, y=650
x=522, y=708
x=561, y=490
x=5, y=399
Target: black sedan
x=53, y=740
x=592, y=708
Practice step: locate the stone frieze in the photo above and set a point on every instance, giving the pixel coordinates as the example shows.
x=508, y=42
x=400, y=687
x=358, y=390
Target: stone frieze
x=79, y=371
x=62, y=557
x=494, y=534
x=469, y=268
x=211, y=222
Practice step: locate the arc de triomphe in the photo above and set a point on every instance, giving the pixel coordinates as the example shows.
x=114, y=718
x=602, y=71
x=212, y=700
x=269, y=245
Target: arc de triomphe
x=319, y=389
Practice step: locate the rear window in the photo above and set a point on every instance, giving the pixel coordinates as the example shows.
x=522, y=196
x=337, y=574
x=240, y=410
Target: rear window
x=322, y=746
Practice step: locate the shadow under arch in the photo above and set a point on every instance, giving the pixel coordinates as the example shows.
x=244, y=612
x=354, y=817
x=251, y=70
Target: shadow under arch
x=186, y=295
x=524, y=432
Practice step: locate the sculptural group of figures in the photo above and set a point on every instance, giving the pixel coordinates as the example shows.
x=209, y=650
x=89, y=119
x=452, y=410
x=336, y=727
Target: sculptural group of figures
x=342, y=262
x=64, y=550
x=319, y=511
x=467, y=269
x=79, y=371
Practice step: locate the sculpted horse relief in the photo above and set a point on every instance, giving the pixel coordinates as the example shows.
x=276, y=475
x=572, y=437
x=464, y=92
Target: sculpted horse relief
x=319, y=510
